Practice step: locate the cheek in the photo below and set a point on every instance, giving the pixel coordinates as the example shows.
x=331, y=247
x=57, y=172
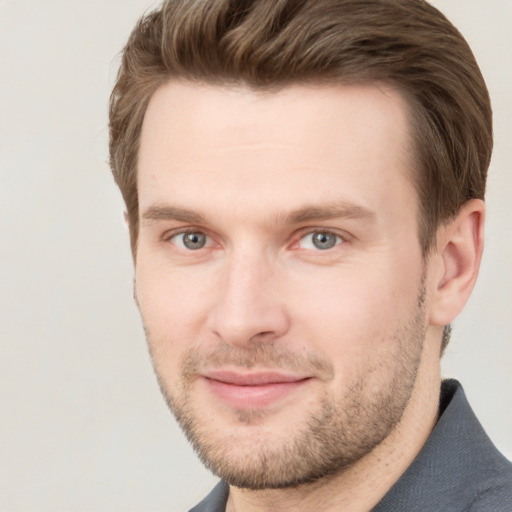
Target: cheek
x=353, y=316
x=173, y=306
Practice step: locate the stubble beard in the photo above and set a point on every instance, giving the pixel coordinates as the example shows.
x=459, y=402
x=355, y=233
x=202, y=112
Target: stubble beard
x=336, y=434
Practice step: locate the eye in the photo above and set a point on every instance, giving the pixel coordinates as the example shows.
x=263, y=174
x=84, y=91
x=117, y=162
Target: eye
x=320, y=240
x=190, y=240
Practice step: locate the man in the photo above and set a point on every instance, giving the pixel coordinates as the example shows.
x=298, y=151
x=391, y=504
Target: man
x=304, y=185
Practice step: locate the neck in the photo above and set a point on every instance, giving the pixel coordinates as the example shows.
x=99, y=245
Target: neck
x=361, y=486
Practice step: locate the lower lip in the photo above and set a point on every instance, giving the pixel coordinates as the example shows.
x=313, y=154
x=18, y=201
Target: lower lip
x=253, y=397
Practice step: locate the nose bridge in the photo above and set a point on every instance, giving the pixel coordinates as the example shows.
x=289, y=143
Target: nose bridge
x=246, y=270
x=248, y=305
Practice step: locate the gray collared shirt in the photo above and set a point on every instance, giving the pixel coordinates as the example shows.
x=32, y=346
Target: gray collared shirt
x=458, y=469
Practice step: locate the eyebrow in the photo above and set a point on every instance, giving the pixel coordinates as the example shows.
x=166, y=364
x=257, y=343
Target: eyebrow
x=160, y=212
x=340, y=209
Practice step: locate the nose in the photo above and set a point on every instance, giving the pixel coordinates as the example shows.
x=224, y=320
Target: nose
x=248, y=305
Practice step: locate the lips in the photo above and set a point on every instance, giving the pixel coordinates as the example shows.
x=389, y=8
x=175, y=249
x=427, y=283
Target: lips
x=253, y=390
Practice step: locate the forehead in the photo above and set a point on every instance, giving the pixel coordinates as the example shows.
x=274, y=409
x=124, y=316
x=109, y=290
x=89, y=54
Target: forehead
x=289, y=147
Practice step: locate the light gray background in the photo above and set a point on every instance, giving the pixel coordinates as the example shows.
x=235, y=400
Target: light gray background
x=82, y=423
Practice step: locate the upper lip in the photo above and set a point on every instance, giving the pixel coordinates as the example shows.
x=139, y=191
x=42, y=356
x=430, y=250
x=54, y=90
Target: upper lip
x=259, y=378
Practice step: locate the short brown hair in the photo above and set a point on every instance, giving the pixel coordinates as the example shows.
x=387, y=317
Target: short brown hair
x=271, y=43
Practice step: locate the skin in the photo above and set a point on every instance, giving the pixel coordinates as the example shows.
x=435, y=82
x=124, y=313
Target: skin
x=355, y=328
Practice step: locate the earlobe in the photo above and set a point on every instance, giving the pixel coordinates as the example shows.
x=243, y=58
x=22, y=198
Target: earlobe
x=459, y=248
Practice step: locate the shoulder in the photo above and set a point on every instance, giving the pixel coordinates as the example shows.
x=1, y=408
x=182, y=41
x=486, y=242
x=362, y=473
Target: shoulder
x=480, y=476
x=495, y=498
x=458, y=470
x=215, y=501
x=486, y=473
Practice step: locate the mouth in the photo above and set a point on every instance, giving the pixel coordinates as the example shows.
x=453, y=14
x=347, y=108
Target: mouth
x=253, y=390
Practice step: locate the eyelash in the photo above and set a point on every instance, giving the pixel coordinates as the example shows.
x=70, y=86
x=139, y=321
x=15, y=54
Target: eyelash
x=168, y=237
x=340, y=238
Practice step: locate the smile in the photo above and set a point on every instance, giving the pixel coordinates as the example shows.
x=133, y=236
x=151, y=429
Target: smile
x=252, y=390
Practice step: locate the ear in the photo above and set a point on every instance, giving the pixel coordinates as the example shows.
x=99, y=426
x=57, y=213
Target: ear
x=460, y=245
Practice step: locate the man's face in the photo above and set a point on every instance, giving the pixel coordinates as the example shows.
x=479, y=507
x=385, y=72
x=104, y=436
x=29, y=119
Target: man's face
x=279, y=273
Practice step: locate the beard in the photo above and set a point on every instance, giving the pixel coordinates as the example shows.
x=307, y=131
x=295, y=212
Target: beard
x=338, y=430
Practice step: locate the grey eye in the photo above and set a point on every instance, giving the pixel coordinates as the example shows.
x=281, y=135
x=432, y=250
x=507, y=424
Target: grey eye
x=193, y=240
x=324, y=240
x=320, y=240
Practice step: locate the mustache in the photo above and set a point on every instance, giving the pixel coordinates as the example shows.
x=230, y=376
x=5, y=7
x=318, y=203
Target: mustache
x=264, y=355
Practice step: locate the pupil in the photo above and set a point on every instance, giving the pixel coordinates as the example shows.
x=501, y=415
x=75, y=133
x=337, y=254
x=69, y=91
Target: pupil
x=324, y=240
x=194, y=240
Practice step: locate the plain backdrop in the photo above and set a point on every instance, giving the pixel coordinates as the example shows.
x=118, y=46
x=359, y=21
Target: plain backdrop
x=82, y=424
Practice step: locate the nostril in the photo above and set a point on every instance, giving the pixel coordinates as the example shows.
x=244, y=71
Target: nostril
x=262, y=335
